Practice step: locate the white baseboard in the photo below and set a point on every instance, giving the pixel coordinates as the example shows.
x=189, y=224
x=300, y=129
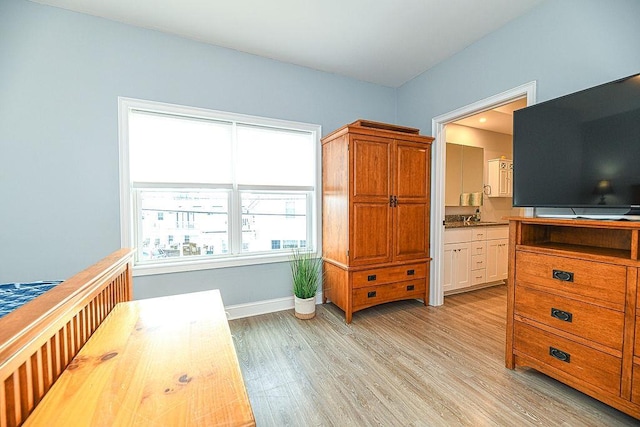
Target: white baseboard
x=239, y=311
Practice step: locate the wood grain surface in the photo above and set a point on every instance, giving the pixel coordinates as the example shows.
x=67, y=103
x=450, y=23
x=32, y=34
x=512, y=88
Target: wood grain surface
x=402, y=364
x=163, y=361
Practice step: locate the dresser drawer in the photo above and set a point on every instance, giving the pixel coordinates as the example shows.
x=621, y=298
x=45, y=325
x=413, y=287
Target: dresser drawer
x=594, y=280
x=589, y=365
x=497, y=233
x=372, y=295
x=479, y=233
x=379, y=276
x=478, y=262
x=478, y=277
x=478, y=248
x=457, y=235
x=588, y=321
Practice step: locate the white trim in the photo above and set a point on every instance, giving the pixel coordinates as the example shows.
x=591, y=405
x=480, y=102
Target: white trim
x=528, y=90
x=257, y=308
x=125, y=105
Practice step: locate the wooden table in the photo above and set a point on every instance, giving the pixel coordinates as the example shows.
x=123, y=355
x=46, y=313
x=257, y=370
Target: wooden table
x=166, y=361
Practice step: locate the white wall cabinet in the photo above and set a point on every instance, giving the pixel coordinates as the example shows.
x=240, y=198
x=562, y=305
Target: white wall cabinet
x=500, y=178
x=474, y=256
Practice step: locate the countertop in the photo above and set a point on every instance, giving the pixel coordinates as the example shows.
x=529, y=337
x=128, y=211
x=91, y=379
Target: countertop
x=462, y=224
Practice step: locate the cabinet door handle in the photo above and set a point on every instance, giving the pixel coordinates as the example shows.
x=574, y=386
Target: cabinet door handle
x=411, y=272
x=560, y=355
x=565, y=276
x=371, y=294
x=411, y=287
x=390, y=201
x=371, y=278
x=565, y=316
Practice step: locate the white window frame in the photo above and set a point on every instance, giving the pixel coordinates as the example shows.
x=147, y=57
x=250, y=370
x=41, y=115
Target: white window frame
x=127, y=222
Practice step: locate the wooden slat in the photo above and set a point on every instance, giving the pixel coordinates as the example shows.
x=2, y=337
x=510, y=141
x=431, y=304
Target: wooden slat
x=38, y=340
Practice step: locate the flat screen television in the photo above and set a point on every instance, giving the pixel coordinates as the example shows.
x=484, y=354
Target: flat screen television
x=580, y=152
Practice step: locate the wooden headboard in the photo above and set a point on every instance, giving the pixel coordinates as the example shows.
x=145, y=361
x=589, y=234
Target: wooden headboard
x=39, y=339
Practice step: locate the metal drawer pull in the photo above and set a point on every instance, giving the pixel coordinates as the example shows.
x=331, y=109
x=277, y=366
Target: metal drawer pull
x=411, y=287
x=565, y=276
x=411, y=272
x=565, y=316
x=371, y=294
x=371, y=277
x=560, y=355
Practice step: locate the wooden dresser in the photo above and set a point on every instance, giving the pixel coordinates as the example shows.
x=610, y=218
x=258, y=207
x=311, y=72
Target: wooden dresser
x=375, y=219
x=572, y=306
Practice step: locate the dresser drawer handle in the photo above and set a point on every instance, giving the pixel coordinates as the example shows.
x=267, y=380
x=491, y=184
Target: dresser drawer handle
x=560, y=355
x=565, y=276
x=371, y=278
x=565, y=316
x=371, y=294
x=411, y=287
x=411, y=272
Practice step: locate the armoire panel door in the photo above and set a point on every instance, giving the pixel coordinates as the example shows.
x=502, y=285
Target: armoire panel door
x=371, y=168
x=412, y=231
x=370, y=234
x=412, y=169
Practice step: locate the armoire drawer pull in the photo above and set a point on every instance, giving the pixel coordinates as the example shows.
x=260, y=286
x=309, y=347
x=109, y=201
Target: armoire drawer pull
x=411, y=272
x=371, y=277
x=371, y=294
x=565, y=276
x=560, y=355
x=411, y=287
x=565, y=316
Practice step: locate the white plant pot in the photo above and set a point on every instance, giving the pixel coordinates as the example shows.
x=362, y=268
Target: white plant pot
x=305, y=308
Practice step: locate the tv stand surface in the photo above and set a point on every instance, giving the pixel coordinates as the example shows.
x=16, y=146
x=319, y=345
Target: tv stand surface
x=572, y=305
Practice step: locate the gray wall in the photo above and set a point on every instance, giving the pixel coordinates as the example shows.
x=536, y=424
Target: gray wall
x=60, y=75
x=565, y=45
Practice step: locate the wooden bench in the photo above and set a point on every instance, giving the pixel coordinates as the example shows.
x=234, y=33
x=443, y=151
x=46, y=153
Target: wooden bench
x=166, y=361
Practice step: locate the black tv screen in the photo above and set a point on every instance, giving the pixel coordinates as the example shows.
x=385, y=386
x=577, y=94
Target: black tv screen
x=581, y=150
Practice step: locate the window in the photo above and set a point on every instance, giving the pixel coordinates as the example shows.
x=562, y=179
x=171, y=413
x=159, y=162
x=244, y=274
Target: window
x=204, y=188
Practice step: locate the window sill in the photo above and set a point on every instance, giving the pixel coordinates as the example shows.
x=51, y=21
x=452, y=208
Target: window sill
x=207, y=264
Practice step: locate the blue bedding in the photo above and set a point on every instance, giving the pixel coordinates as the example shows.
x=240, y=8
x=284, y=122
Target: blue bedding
x=13, y=295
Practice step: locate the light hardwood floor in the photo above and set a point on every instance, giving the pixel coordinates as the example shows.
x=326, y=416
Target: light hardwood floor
x=402, y=364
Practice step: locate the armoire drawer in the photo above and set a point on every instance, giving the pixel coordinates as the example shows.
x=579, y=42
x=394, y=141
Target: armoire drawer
x=365, y=297
x=588, y=321
x=379, y=276
x=594, y=280
x=591, y=366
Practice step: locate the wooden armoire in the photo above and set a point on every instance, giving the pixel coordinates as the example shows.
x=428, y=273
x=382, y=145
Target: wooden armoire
x=375, y=215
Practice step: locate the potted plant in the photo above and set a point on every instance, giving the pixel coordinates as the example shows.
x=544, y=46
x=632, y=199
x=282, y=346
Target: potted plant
x=306, y=272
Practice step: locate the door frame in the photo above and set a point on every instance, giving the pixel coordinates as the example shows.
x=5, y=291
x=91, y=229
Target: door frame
x=528, y=91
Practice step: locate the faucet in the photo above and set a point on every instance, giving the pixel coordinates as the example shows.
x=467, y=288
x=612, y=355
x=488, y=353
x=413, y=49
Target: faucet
x=467, y=220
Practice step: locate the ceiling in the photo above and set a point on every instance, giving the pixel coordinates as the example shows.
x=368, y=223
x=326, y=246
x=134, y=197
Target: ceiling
x=499, y=119
x=387, y=42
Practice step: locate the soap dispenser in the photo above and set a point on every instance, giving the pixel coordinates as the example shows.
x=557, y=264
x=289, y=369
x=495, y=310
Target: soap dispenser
x=477, y=216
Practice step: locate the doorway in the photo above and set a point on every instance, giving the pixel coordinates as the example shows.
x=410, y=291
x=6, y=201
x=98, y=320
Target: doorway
x=527, y=92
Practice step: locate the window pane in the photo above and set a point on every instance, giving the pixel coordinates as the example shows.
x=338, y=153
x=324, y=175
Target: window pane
x=183, y=224
x=268, y=219
x=275, y=157
x=181, y=150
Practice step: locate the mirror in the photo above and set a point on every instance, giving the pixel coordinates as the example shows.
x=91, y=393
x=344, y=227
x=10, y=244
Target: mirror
x=464, y=172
